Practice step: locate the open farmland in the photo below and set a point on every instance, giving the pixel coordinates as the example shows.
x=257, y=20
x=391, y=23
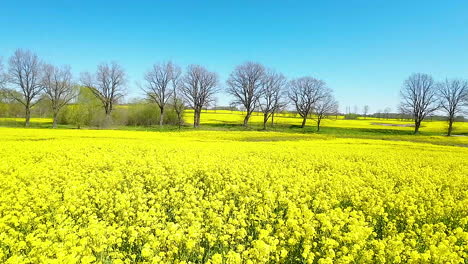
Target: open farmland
x=225, y=118
x=229, y=197
x=233, y=132
x=334, y=126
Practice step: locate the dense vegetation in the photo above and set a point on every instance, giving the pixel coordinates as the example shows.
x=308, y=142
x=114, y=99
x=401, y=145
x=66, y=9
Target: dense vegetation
x=228, y=197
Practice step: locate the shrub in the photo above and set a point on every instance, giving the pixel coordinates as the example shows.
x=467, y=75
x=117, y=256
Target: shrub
x=147, y=114
x=351, y=116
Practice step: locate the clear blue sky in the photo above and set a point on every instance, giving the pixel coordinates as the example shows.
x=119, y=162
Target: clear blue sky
x=362, y=49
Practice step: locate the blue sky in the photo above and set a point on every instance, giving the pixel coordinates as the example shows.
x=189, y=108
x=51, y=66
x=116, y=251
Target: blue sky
x=363, y=49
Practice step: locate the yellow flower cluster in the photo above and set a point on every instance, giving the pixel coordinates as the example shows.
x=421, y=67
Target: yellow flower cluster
x=71, y=196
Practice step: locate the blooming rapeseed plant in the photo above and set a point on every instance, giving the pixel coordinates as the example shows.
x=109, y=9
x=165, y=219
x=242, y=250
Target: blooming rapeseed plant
x=71, y=196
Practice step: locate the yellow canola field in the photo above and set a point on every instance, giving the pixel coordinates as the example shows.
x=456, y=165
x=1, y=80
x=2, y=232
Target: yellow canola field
x=97, y=196
x=226, y=117
x=21, y=120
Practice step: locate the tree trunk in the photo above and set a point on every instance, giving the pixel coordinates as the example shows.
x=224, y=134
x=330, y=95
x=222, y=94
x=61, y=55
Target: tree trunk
x=179, y=120
x=54, y=124
x=27, y=116
x=272, y=119
x=304, y=121
x=449, y=132
x=195, y=115
x=318, y=125
x=108, y=120
x=265, y=120
x=246, y=119
x=416, y=126
x=161, y=117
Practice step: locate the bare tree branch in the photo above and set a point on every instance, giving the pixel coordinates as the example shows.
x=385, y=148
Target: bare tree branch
x=24, y=74
x=271, y=94
x=305, y=92
x=177, y=100
x=58, y=86
x=107, y=84
x=198, y=88
x=419, y=97
x=326, y=105
x=452, y=95
x=245, y=84
x=157, y=87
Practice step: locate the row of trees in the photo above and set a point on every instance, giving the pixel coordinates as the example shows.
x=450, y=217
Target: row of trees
x=28, y=80
x=422, y=96
x=252, y=86
x=165, y=84
x=255, y=87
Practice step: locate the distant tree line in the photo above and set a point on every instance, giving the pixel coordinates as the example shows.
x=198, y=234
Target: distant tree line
x=32, y=85
x=256, y=88
x=28, y=81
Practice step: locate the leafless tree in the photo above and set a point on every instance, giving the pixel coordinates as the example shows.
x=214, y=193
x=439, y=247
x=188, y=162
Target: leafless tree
x=365, y=110
x=179, y=107
x=452, y=95
x=177, y=100
x=107, y=84
x=419, y=97
x=271, y=94
x=326, y=105
x=245, y=85
x=158, y=81
x=25, y=74
x=305, y=92
x=58, y=86
x=198, y=88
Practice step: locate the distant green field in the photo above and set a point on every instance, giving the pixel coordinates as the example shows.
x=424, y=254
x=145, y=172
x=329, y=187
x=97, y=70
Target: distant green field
x=225, y=117
x=336, y=126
